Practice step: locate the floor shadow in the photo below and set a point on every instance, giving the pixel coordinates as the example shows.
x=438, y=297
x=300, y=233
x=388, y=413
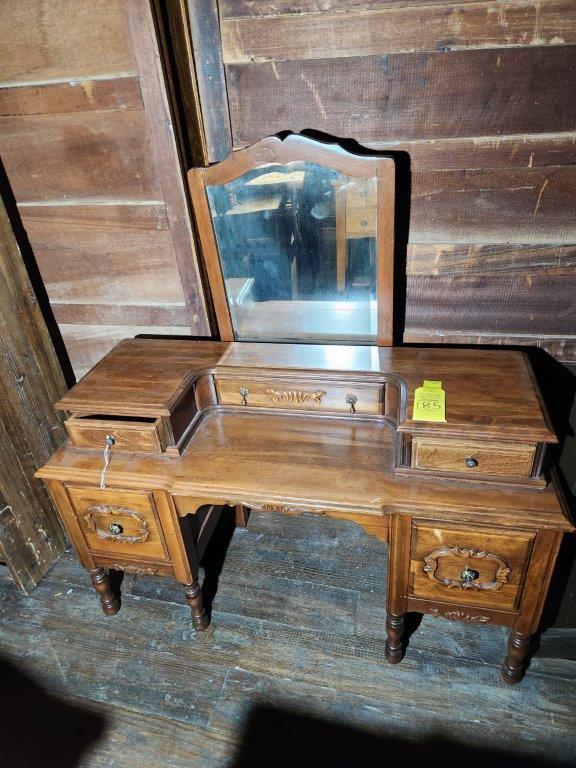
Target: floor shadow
x=278, y=737
x=215, y=554
x=558, y=386
x=412, y=623
x=38, y=728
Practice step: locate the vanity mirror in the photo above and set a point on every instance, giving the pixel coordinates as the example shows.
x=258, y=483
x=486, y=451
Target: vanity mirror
x=297, y=237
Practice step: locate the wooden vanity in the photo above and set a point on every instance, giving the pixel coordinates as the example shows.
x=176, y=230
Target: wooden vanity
x=298, y=240
x=270, y=427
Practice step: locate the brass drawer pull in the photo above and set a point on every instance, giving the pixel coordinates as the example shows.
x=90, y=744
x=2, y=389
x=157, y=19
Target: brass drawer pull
x=469, y=575
x=244, y=395
x=351, y=400
x=115, y=529
x=471, y=462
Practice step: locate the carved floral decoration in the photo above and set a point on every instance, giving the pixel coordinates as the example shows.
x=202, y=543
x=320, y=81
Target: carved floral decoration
x=468, y=557
x=100, y=512
x=295, y=396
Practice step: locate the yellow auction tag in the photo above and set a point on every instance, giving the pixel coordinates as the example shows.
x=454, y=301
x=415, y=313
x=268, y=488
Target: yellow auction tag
x=429, y=402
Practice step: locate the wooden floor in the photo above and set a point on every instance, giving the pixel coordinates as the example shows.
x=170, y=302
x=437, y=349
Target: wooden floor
x=291, y=671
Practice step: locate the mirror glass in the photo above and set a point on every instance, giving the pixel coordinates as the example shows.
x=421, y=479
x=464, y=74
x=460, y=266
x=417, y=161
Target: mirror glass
x=297, y=245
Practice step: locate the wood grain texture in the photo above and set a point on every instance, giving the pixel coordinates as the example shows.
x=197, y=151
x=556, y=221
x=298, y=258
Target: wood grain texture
x=563, y=347
x=88, y=344
x=106, y=214
x=418, y=27
x=30, y=382
x=149, y=315
x=43, y=33
x=89, y=149
x=491, y=458
x=138, y=285
x=178, y=35
x=443, y=259
x=87, y=155
x=528, y=205
x=256, y=8
x=494, y=304
x=166, y=366
x=307, y=664
x=311, y=462
x=166, y=160
x=19, y=560
x=328, y=396
x=141, y=536
x=514, y=151
x=122, y=92
x=410, y=96
x=513, y=553
x=211, y=77
x=506, y=406
x=140, y=266
x=86, y=432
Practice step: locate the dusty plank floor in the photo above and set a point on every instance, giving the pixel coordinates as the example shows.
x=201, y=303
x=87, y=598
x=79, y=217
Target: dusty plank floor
x=291, y=670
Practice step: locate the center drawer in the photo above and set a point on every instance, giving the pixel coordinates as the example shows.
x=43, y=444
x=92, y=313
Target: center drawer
x=473, y=458
x=310, y=396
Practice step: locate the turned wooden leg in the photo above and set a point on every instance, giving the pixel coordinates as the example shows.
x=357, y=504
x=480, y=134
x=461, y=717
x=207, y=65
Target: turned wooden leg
x=101, y=582
x=513, y=666
x=395, y=630
x=200, y=618
x=242, y=514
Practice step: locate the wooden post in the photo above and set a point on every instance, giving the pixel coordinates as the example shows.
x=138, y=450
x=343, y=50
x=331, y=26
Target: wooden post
x=31, y=535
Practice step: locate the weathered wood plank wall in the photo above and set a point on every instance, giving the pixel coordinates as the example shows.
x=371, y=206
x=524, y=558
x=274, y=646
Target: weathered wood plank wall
x=481, y=97
x=31, y=536
x=88, y=146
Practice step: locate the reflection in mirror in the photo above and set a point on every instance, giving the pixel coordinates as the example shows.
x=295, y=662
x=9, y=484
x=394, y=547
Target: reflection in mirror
x=297, y=246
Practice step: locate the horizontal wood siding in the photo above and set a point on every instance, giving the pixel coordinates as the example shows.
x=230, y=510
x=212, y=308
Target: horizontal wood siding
x=398, y=30
x=477, y=99
x=436, y=95
x=89, y=150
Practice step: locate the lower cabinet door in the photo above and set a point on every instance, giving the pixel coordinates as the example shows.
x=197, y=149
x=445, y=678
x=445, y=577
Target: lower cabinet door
x=471, y=567
x=119, y=522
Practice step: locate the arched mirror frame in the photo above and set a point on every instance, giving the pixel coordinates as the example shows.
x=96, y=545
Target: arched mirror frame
x=296, y=147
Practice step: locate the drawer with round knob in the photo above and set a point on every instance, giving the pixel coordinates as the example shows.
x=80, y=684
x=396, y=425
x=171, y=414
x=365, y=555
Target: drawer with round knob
x=317, y=395
x=120, y=522
x=128, y=434
x=473, y=458
x=471, y=567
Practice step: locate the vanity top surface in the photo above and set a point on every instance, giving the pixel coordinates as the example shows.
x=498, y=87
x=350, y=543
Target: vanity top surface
x=309, y=461
x=489, y=393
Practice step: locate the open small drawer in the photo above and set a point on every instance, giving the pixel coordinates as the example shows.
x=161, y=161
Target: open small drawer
x=129, y=433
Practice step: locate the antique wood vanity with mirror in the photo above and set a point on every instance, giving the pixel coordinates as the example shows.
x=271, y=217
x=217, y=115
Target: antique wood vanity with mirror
x=304, y=407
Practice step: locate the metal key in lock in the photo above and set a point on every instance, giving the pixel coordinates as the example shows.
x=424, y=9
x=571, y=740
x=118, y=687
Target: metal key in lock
x=109, y=441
